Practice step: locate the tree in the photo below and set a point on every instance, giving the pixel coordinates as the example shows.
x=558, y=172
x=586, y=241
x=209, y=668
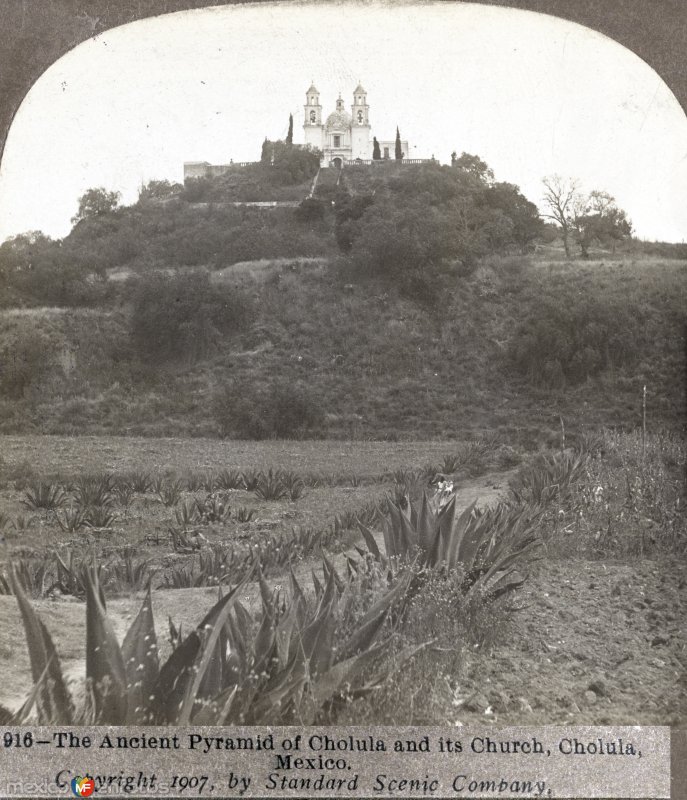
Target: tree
x=474, y=166
x=561, y=196
x=399, y=148
x=376, y=151
x=584, y=217
x=599, y=218
x=527, y=224
x=289, y=135
x=96, y=202
x=266, y=153
x=159, y=190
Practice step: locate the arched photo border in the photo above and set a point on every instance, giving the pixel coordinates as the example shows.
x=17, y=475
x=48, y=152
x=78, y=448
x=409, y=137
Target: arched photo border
x=35, y=34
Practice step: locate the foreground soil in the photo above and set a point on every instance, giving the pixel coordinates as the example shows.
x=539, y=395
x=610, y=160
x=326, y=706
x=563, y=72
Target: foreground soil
x=591, y=643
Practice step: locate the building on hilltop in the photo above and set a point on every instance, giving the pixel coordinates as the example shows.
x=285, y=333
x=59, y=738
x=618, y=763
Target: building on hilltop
x=344, y=137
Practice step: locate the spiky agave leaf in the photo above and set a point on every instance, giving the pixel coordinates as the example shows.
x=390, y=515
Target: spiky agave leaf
x=342, y=676
x=52, y=697
x=370, y=541
x=317, y=586
x=104, y=662
x=170, y=688
x=211, y=628
x=458, y=534
x=141, y=663
x=313, y=644
x=329, y=569
x=298, y=599
x=427, y=525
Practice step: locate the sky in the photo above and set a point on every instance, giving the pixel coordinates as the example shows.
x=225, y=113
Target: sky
x=530, y=94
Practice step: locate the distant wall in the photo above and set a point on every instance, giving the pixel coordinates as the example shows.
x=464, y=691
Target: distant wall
x=405, y=148
x=203, y=169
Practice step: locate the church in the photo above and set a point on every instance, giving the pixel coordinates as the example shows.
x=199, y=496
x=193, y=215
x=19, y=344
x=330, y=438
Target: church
x=344, y=137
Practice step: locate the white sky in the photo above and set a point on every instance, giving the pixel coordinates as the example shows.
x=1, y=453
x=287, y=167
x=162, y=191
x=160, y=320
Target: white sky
x=531, y=94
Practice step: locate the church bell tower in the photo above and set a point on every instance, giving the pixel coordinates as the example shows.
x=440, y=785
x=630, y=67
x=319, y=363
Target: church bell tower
x=360, y=125
x=313, y=129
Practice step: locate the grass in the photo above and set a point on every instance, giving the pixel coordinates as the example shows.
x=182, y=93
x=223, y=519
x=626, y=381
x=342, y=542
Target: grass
x=134, y=458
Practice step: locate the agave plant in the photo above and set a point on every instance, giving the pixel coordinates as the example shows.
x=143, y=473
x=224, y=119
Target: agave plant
x=100, y=518
x=23, y=523
x=251, y=479
x=491, y=548
x=169, y=493
x=124, y=494
x=129, y=573
x=186, y=515
x=186, y=576
x=270, y=486
x=95, y=491
x=71, y=574
x=72, y=519
x=549, y=477
x=244, y=514
x=214, y=508
x=293, y=484
x=139, y=480
x=451, y=463
x=33, y=575
x=193, y=481
x=286, y=666
x=229, y=479
x=44, y=495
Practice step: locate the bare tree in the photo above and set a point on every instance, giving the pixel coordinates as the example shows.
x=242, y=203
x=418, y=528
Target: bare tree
x=562, y=197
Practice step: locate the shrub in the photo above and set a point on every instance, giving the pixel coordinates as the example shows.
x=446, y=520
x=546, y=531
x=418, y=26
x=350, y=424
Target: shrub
x=182, y=316
x=25, y=361
x=311, y=209
x=572, y=338
x=276, y=411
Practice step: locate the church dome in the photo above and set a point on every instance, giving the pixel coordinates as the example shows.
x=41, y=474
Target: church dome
x=339, y=121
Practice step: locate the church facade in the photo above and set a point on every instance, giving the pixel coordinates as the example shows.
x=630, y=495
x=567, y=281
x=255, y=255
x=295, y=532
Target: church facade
x=343, y=137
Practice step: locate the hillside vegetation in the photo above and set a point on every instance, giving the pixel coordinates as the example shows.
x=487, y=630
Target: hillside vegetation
x=396, y=301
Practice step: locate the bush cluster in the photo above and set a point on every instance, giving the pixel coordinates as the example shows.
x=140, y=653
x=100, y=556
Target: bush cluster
x=276, y=410
x=572, y=339
x=182, y=316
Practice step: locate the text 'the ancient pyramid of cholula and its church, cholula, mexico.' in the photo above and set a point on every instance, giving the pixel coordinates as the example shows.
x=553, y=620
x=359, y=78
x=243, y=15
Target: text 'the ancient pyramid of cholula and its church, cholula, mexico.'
x=342, y=137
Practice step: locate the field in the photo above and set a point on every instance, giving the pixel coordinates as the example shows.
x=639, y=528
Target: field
x=593, y=635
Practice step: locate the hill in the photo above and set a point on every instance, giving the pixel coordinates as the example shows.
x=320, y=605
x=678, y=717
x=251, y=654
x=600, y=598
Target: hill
x=390, y=301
